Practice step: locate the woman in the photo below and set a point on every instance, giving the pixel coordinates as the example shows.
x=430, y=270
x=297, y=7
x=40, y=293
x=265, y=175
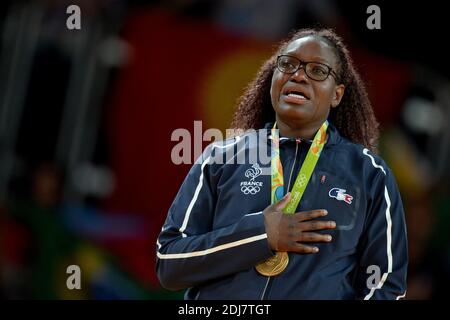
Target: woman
x=327, y=222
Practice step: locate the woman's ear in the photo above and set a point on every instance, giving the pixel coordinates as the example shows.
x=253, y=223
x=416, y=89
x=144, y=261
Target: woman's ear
x=337, y=96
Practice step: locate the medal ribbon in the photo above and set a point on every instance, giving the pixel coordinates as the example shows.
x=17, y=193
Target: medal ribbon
x=277, y=187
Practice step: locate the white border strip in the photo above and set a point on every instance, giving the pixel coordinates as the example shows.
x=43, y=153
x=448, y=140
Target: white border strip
x=388, y=246
x=211, y=250
x=200, y=185
x=253, y=214
x=402, y=296
x=365, y=151
x=193, y=200
x=388, y=231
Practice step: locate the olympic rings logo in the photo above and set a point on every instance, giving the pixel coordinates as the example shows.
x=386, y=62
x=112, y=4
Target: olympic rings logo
x=250, y=189
x=302, y=180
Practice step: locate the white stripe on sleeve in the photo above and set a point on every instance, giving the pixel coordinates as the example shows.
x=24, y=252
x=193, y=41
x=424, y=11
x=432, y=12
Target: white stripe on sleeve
x=213, y=249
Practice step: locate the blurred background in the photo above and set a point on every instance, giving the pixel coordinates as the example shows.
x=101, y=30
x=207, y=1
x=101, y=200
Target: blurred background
x=86, y=118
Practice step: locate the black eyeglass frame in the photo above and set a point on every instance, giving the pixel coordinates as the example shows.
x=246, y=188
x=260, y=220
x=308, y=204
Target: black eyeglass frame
x=304, y=64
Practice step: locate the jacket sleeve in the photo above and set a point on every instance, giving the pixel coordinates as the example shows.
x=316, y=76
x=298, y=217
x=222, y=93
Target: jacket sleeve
x=190, y=251
x=383, y=251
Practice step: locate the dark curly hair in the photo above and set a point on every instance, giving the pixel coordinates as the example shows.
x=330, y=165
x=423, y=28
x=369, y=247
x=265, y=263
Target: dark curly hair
x=354, y=117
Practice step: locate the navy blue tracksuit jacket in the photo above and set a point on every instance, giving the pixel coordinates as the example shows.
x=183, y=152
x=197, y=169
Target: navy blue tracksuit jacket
x=214, y=233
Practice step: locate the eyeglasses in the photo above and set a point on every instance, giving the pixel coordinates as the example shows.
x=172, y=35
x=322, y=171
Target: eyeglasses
x=314, y=70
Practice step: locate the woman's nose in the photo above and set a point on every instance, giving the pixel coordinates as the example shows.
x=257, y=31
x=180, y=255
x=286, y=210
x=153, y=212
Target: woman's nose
x=300, y=75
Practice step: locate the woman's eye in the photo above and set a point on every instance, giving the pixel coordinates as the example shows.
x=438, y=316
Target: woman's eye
x=287, y=65
x=319, y=70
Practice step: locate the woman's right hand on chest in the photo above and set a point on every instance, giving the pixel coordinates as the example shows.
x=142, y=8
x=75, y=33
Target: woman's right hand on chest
x=290, y=232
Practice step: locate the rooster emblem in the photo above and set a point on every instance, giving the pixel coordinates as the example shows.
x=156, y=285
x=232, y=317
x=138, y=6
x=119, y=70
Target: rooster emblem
x=253, y=172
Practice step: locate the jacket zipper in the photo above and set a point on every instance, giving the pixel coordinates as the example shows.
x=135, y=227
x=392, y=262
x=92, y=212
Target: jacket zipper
x=269, y=279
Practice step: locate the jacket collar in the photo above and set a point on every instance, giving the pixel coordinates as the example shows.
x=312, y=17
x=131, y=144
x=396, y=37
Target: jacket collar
x=333, y=135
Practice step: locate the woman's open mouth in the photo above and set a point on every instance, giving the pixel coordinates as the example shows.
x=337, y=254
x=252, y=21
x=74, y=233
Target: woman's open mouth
x=295, y=98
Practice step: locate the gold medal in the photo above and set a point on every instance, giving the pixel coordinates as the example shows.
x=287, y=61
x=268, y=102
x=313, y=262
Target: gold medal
x=274, y=265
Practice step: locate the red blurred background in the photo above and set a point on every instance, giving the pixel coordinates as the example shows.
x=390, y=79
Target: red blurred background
x=86, y=175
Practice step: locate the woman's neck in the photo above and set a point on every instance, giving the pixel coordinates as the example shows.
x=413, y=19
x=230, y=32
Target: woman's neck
x=303, y=132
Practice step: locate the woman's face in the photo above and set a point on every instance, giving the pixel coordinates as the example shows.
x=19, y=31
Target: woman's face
x=318, y=96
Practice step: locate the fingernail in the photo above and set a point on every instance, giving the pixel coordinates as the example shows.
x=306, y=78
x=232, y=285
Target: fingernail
x=325, y=212
x=333, y=224
x=329, y=238
x=315, y=249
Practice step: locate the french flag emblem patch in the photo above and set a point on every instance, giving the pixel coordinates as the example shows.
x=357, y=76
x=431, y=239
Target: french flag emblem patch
x=340, y=195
